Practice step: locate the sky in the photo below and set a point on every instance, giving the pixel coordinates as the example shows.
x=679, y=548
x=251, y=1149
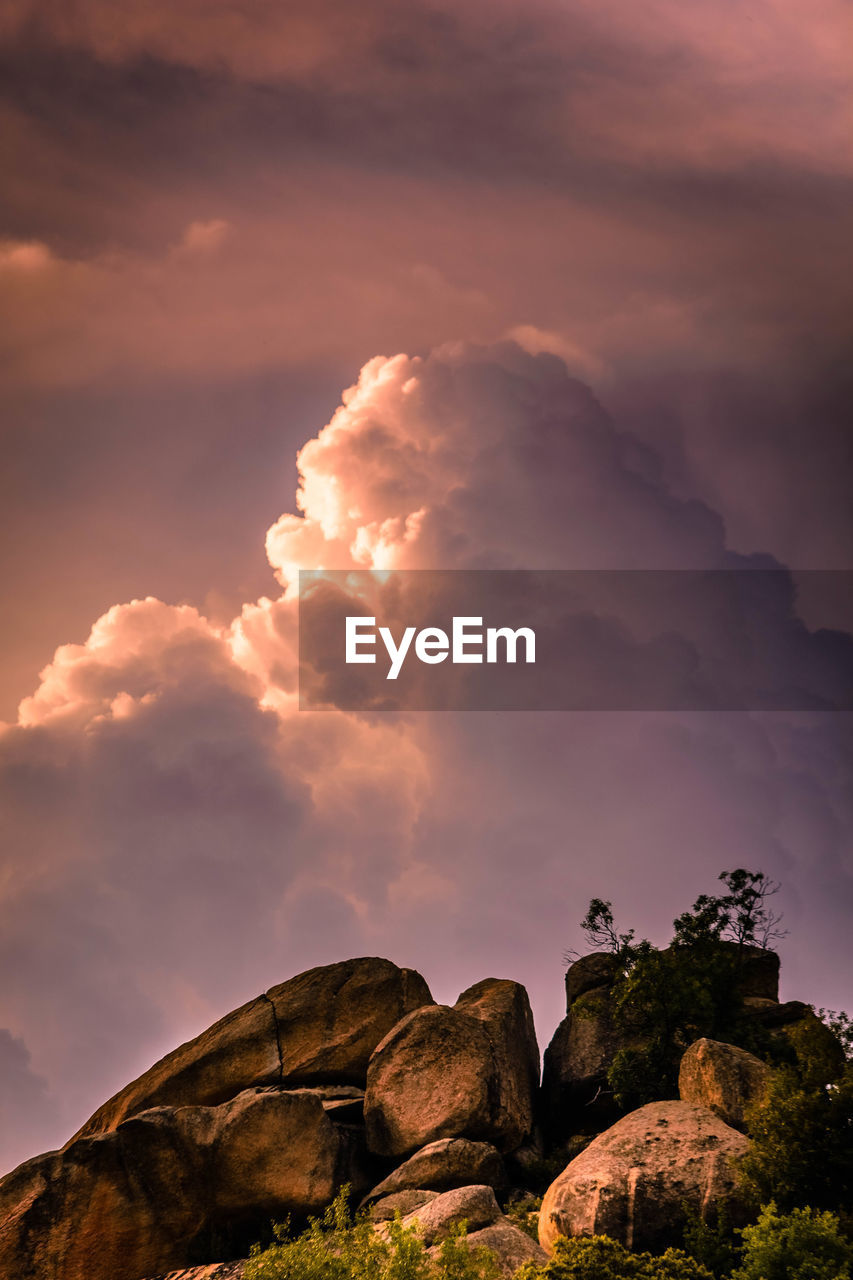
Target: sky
x=503, y=285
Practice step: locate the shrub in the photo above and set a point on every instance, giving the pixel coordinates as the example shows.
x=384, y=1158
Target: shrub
x=801, y=1245
x=340, y=1247
x=523, y=1211
x=600, y=1258
x=711, y=1241
x=801, y=1151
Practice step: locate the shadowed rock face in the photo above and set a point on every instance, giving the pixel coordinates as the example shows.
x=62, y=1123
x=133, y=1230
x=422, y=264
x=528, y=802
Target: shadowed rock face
x=140, y=1199
x=504, y=1010
x=576, y=1097
x=723, y=1078
x=318, y=1028
x=442, y=1165
x=511, y=1246
x=590, y=973
x=633, y=1181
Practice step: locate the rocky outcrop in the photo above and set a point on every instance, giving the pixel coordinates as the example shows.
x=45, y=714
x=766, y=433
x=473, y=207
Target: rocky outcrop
x=486, y=1226
x=148, y=1196
x=576, y=1095
x=436, y=1075
x=723, y=1078
x=402, y=1202
x=435, y=1220
x=318, y=1028
x=633, y=1181
x=757, y=970
x=351, y=1073
x=504, y=1010
x=511, y=1246
x=442, y=1165
x=594, y=972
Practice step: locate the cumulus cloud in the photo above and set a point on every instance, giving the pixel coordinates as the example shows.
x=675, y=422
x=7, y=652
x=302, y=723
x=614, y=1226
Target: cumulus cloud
x=483, y=459
x=181, y=835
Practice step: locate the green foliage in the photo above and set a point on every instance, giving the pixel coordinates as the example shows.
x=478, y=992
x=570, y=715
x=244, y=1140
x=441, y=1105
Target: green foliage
x=801, y=1245
x=802, y=1142
x=841, y=1026
x=523, y=1211
x=600, y=1258
x=600, y=929
x=713, y=1243
x=742, y=915
x=663, y=1000
x=340, y=1247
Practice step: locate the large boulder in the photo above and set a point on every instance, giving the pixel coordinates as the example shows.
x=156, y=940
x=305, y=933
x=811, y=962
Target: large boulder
x=576, y=1095
x=757, y=971
x=504, y=1010
x=723, y=1078
x=151, y=1195
x=511, y=1246
x=435, y=1220
x=633, y=1181
x=317, y=1028
x=590, y=973
x=434, y=1076
x=402, y=1202
x=442, y=1165
x=486, y=1226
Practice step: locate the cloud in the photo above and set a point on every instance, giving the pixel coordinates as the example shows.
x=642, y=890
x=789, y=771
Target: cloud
x=769, y=84
x=483, y=459
x=22, y=1092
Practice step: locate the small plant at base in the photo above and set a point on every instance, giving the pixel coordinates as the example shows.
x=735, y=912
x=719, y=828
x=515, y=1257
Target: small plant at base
x=524, y=1212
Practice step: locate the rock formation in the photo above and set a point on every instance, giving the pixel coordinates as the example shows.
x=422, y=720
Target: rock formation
x=576, y=1097
x=442, y=1072
x=443, y=1165
x=319, y=1028
x=575, y=1091
x=632, y=1182
x=152, y=1194
x=723, y=1078
x=477, y=1206
x=351, y=1073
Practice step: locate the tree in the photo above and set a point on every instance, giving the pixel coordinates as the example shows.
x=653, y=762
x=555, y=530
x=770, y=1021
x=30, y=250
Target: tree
x=663, y=1000
x=743, y=915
